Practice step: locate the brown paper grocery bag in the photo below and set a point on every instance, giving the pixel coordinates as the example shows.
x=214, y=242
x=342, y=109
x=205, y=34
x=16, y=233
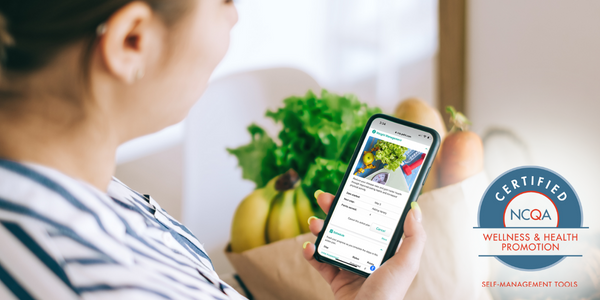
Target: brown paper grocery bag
x=450, y=268
x=279, y=271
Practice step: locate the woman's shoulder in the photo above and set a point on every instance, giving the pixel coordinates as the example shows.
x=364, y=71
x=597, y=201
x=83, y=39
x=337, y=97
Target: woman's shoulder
x=49, y=205
x=50, y=226
x=82, y=240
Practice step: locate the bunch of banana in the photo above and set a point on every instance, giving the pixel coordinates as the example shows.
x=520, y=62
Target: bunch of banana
x=278, y=211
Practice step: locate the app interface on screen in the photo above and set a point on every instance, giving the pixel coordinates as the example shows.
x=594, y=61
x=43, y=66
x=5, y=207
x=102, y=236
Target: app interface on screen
x=373, y=198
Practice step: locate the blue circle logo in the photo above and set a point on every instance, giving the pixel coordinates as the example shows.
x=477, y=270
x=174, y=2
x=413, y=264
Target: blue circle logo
x=374, y=131
x=372, y=268
x=528, y=202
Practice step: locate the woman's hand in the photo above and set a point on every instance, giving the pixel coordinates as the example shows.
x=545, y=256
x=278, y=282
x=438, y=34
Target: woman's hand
x=391, y=280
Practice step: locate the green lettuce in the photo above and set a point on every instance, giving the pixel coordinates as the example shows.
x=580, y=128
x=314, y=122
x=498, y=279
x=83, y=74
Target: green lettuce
x=390, y=154
x=317, y=140
x=257, y=159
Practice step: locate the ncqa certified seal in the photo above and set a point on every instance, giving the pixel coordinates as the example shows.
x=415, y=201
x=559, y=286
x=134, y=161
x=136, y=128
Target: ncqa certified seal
x=538, y=211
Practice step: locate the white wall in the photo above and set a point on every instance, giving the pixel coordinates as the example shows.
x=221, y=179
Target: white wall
x=534, y=68
x=382, y=51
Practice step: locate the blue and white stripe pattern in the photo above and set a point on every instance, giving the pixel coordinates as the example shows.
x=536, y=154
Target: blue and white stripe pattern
x=61, y=238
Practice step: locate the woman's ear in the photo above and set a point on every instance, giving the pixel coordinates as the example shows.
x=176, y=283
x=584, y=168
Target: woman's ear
x=125, y=40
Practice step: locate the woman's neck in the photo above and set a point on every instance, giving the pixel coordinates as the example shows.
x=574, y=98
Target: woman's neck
x=79, y=147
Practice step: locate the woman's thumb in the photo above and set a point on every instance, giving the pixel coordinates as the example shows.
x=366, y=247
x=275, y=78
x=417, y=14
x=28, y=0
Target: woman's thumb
x=408, y=257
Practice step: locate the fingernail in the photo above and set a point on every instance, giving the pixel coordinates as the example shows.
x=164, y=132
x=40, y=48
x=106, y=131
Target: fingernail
x=311, y=218
x=305, y=244
x=317, y=193
x=415, y=206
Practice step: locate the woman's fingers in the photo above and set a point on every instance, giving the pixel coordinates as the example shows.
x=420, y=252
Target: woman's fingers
x=315, y=225
x=324, y=200
x=327, y=271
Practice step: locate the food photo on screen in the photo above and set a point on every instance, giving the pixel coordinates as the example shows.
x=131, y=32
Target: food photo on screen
x=389, y=164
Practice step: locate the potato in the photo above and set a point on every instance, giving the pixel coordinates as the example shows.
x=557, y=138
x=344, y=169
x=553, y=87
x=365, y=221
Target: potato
x=418, y=111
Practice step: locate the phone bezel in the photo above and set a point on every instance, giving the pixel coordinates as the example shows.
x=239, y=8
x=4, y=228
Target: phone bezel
x=395, y=240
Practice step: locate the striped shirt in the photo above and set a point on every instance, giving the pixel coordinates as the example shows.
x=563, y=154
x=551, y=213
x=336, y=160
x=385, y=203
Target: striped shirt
x=61, y=238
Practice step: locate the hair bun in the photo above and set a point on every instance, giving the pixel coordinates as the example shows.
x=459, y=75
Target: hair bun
x=5, y=37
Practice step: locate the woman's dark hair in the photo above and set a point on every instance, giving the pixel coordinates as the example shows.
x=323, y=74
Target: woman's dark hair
x=33, y=31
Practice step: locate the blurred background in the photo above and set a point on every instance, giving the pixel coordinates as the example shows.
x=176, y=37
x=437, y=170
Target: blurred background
x=525, y=72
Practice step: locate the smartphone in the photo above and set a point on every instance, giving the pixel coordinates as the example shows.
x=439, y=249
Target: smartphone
x=388, y=168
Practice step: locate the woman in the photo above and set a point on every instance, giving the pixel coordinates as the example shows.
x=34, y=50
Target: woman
x=77, y=79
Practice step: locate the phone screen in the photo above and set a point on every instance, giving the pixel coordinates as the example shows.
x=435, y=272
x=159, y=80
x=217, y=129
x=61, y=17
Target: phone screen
x=374, y=196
